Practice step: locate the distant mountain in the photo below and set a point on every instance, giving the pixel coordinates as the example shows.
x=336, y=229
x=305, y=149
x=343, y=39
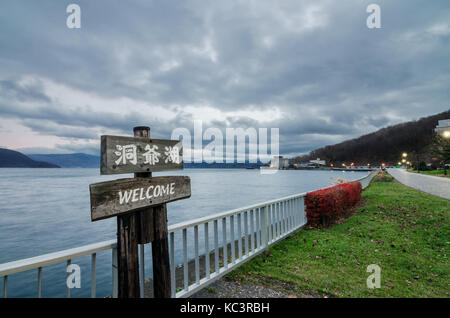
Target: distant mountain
x=74, y=160
x=385, y=145
x=15, y=159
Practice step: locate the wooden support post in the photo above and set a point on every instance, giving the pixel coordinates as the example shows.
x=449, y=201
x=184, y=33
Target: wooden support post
x=160, y=254
x=130, y=231
x=145, y=227
x=127, y=252
x=152, y=227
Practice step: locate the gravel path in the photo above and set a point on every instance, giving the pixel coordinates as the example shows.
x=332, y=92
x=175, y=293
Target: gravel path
x=437, y=186
x=230, y=289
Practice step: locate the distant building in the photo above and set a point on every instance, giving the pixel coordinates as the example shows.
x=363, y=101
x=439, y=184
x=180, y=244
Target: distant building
x=318, y=162
x=278, y=162
x=443, y=125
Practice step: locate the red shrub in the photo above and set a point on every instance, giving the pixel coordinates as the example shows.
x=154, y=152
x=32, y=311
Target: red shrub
x=326, y=204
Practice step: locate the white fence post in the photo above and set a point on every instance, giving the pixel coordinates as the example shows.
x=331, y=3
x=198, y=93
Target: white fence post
x=265, y=228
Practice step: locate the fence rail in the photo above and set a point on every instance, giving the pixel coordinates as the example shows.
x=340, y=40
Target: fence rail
x=243, y=234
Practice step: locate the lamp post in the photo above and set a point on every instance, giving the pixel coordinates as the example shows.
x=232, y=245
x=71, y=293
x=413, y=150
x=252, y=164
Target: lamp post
x=404, y=155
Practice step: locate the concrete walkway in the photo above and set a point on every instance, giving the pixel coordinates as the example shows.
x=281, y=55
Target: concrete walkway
x=437, y=186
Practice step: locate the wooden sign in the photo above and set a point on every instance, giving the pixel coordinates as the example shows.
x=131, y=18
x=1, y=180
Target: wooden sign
x=139, y=154
x=112, y=198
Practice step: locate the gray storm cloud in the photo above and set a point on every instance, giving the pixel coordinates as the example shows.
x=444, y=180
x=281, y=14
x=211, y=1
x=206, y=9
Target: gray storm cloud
x=311, y=68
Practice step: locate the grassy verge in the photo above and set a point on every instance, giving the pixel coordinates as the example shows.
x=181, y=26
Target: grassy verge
x=404, y=231
x=437, y=173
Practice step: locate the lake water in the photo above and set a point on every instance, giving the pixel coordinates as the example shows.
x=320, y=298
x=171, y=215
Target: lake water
x=47, y=210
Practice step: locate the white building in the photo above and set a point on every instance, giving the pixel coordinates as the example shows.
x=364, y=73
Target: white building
x=318, y=162
x=443, y=127
x=278, y=162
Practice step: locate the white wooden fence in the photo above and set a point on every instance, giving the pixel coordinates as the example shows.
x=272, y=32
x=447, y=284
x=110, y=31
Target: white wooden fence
x=252, y=229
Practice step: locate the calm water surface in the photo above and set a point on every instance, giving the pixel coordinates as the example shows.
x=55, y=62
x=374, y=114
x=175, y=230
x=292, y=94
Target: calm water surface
x=46, y=210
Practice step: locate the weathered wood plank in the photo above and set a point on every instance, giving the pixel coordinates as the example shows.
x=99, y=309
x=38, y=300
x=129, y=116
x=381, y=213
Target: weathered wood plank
x=160, y=254
x=145, y=226
x=112, y=198
x=121, y=154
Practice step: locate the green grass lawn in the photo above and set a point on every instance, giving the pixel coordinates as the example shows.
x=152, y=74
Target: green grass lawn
x=438, y=173
x=404, y=231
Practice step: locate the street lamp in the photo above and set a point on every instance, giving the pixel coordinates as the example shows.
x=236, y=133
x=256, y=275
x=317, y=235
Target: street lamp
x=446, y=134
x=404, y=155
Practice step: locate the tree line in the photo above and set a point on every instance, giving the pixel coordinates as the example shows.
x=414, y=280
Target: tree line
x=416, y=138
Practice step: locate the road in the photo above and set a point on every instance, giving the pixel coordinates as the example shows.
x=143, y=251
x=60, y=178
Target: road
x=438, y=186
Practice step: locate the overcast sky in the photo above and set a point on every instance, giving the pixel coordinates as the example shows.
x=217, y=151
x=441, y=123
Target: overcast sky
x=311, y=68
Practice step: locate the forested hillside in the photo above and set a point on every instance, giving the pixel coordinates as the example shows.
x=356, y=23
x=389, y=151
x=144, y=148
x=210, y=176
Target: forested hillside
x=385, y=145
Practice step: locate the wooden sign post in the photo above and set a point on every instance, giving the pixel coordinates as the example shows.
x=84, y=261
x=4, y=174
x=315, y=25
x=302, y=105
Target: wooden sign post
x=139, y=203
